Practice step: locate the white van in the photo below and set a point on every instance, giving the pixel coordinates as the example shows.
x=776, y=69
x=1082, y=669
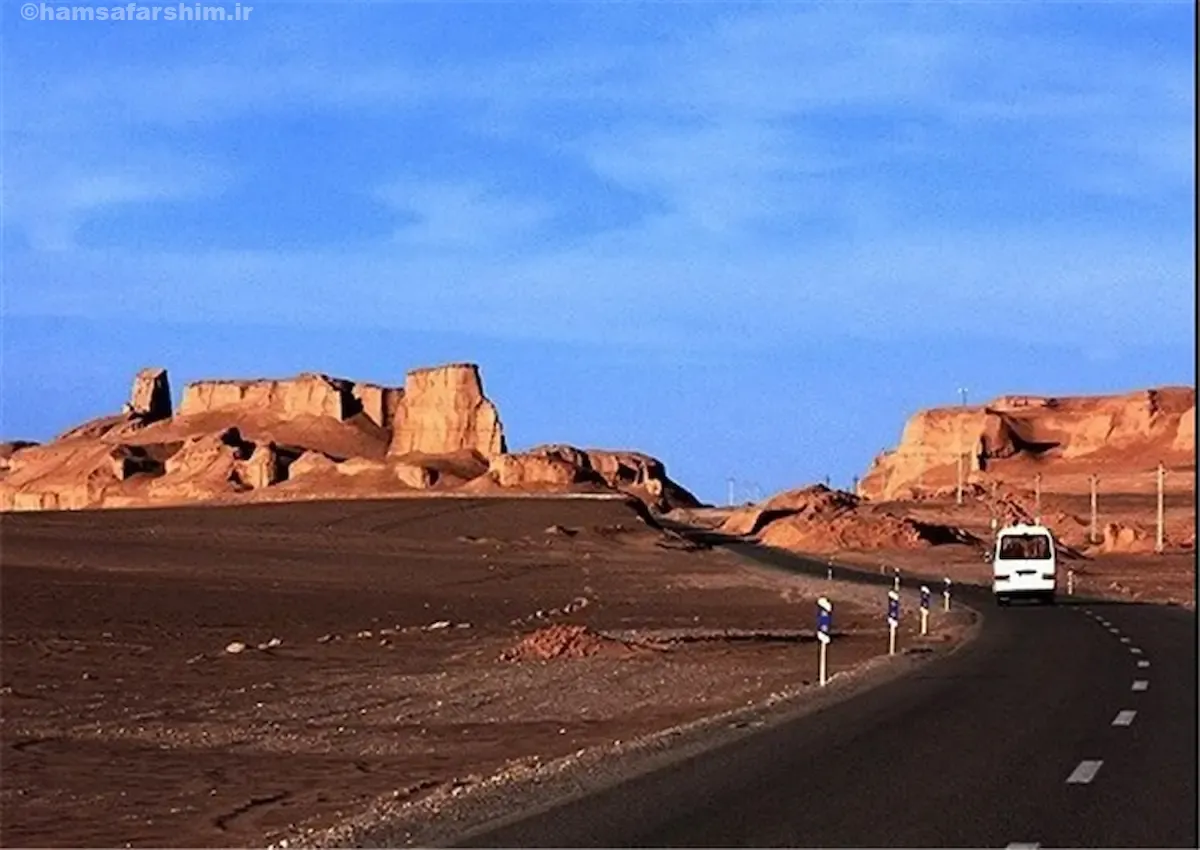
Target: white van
x=1024, y=564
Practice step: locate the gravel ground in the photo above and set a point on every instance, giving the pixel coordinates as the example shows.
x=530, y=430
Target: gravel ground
x=369, y=673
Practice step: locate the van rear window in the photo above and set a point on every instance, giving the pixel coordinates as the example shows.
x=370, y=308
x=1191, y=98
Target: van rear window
x=1025, y=547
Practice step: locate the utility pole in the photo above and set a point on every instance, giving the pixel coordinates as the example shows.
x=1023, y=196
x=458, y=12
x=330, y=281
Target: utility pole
x=730, y=482
x=1158, y=537
x=1037, y=498
x=1093, y=532
x=962, y=392
x=854, y=485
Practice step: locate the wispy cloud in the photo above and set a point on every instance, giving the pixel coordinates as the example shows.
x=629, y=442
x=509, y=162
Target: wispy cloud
x=873, y=170
x=462, y=216
x=47, y=197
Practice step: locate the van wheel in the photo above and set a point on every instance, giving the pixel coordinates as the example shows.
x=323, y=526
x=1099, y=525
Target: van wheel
x=1001, y=600
x=1048, y=598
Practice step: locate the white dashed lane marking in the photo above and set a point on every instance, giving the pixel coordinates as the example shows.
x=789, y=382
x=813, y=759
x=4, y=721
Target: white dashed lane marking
x=1140, y=684
x=1143, y=663
x=1135, y=650
x=1124, y=718
x=1124, y=640
x=1085, y=772
x=1021, y=845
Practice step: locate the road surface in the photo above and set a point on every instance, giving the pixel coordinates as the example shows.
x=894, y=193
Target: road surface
x=1065, y=726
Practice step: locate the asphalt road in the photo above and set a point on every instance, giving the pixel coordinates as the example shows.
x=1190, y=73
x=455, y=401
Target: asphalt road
x=989, y=747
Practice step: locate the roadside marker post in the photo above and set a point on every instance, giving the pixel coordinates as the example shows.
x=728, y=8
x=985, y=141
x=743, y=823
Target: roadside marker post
x=946, y=596
x=824, y=620
x=1070, y=582
x=893, y=619
x=896, y=579
x=829, y=571
x=924, y=610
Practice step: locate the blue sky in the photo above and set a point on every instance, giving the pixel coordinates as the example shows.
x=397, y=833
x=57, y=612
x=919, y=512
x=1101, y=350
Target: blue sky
x=749, y=238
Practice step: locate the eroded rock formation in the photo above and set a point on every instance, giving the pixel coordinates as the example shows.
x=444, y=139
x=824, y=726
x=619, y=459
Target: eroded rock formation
x=559, y=465
x=816, y=502
x=9, y=449
x=151, y=396
x=532, y=469
x=1074, y=432
x=308, y=394
x=444, y=410
x=311, y=436
x=1185, y=436
x=820, y=520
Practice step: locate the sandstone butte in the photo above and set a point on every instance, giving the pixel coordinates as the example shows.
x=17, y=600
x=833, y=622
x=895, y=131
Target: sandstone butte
x=309, y=437
x=1064, y=440
x=1006, y=446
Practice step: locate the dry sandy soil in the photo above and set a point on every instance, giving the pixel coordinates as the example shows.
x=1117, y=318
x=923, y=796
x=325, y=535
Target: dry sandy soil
x=388, y=654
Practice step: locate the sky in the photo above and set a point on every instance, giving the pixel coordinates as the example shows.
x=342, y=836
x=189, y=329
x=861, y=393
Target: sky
x=749, y=238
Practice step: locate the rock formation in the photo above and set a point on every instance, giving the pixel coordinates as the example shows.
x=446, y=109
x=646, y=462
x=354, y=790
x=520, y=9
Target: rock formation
x=151, y=396
x=9, y=449
x=1008, y=433
x=311, y=436
x=264, y=467
x=415, y=475
x=67, y=476
x=312, y=464
x=562, y=465
x=1125, y=538
x=530, y=469
x=128, y=461
x=308, y=394
x=378, y=404
x=204, y=467
x=443, y=410
x=852, y=532
x=820, y=520
x=1185, y=436
x=817, y=501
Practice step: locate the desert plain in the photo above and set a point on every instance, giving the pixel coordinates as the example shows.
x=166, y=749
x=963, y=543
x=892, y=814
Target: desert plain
x=284, y=606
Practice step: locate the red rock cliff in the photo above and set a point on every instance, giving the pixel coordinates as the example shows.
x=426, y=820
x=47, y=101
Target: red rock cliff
x=307, y=437
x=1071, y=432
x=308, y=394
x=444, y=410
x=151, y=395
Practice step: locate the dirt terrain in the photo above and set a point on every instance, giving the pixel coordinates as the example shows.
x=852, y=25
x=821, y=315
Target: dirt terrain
x=227, y=676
